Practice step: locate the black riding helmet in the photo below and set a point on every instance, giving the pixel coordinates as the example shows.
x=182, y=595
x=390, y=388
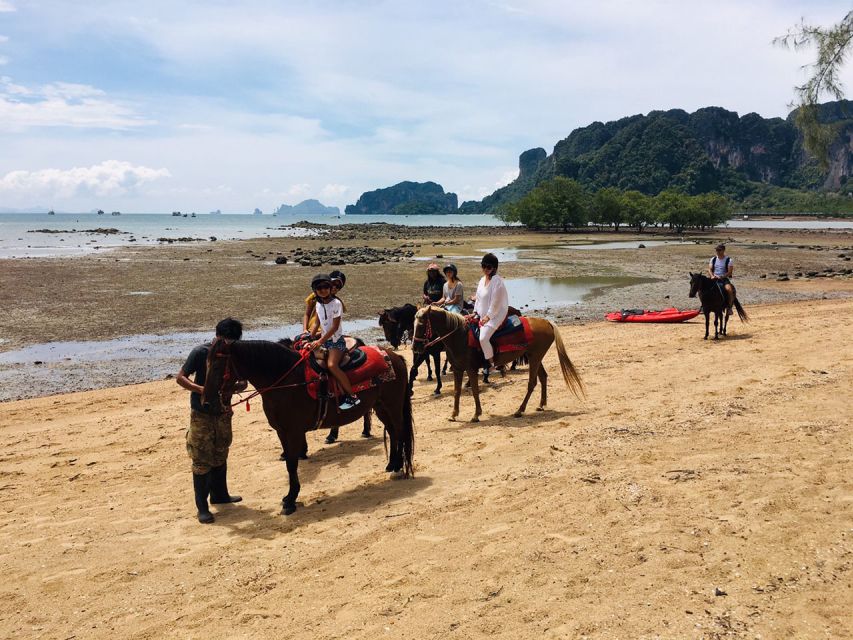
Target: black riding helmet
x=490, y=260
x=320, y=278
x=338, y=275
x=450, y=267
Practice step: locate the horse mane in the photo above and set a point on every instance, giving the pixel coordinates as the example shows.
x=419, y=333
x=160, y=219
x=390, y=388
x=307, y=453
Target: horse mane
x=266, y=357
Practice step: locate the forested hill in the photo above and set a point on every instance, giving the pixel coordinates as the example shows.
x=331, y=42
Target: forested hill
x=747, y=158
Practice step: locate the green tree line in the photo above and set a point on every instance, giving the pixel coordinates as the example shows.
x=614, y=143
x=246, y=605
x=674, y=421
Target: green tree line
x=563, y=203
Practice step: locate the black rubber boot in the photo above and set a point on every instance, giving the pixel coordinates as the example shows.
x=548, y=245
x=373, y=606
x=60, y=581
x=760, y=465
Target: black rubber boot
x=219, y=486
x=201, y=485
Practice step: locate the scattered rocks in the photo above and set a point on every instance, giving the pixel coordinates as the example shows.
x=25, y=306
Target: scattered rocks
x=281, y=260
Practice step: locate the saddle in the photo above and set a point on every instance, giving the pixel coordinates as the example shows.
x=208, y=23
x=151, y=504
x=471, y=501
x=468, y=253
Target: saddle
x=367, y=367
x=514, y=334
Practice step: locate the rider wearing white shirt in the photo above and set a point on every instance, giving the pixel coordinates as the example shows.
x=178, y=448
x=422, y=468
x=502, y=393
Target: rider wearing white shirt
x=491, y=304
x=720, y=268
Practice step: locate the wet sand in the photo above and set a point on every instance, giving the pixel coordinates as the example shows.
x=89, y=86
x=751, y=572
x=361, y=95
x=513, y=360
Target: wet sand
x=182, y=288
x=674, y=502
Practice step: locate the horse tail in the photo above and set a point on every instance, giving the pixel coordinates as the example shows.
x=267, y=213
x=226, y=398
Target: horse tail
x=741, y=313
x=570, y=374
x=408, y=435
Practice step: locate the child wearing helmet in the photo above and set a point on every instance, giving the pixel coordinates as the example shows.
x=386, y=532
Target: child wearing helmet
x=433, y=285
x=330, y=311
x=491, y=304
x=452, y=293
x=310, y=321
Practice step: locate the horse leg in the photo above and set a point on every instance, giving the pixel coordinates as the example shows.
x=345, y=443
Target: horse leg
x=533, y=373
x=437, y=359
x=543, y=384
x=475, y=391
x=707, y=319
x=716, y=325
x=446, y=364
x=333, y=435
x=457, y=391
x=395, y=449
x=429, y=368
x=413, y=372
x=288, y=503
x=365, y=430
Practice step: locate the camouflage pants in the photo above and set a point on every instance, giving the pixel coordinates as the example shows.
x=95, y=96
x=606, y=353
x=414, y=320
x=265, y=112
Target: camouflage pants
x=208, y=440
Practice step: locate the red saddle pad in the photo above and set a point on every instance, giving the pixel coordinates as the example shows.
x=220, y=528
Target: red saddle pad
x=376, y=368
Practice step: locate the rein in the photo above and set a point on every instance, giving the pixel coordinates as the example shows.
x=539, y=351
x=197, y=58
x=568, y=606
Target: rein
x=428, y=333
x=305, y=354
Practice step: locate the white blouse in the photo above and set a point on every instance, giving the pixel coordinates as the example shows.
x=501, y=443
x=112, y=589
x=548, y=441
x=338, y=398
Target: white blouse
x=492, y=299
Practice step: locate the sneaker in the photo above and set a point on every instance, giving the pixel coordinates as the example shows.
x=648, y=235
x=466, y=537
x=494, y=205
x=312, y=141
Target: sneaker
x=348, y=402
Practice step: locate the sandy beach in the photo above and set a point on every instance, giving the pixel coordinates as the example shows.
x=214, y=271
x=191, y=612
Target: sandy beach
x=701, y=490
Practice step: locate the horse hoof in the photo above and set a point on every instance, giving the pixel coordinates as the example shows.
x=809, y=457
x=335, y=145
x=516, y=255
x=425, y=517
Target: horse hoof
x=540, y=408
x=282, y=457
x=330, y=440
x=366, y=434
x=517, y=414
x=303, y=456
x=475, y=419
x=437, y=392
x=429, y=378
x=288, y=510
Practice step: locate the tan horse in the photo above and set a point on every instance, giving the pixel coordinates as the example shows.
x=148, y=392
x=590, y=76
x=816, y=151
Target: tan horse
x=434, y=324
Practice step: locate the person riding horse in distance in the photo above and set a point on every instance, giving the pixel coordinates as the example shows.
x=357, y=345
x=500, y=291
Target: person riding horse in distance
x=720, y=269
x=491, y=305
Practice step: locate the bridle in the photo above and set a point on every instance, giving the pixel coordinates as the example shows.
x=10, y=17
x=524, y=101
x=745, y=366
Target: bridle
x=231, y=376
x=428, y=332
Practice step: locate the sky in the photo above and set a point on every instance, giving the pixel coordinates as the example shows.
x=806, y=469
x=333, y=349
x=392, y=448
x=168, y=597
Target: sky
x=199, y=105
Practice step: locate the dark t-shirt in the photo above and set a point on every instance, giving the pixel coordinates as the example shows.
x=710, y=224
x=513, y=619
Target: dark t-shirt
x=434, y=289
x=197, y=364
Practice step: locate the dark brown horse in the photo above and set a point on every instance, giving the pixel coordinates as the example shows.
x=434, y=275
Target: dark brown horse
x=433, y=323
x=279, y=374
x=713, y=298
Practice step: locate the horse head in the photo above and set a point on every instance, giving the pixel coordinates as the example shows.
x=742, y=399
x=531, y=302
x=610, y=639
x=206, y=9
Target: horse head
x=696, y=281
x=390, y=326
x=221, y=378
x=423, y=330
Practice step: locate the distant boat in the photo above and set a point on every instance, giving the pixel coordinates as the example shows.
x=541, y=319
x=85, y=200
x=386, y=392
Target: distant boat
x=51, y=212
x=176, y=213
x=192, y=215
x=216, y=213
x=116, y=213
x=100, y=212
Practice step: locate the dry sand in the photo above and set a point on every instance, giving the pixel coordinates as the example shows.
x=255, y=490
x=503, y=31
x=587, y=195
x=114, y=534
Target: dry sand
x=703, y=490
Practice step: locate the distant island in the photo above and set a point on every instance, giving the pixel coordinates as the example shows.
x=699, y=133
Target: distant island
x=758, y=163
x=406, y=198
x=257, y=212
x=216, y=213
x=307, y=208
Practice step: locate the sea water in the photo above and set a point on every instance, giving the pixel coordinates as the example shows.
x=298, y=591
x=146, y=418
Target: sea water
x=19, y=236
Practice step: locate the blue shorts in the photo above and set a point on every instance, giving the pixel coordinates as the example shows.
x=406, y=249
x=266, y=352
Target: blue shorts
x=338, y=344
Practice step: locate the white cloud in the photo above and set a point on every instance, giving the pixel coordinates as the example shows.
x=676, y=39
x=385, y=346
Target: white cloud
x=4, y=39
x=335, y=191
x=4, y=60
x=6, y=6
x=109, y=178
x=299, y=190
x=62, y=104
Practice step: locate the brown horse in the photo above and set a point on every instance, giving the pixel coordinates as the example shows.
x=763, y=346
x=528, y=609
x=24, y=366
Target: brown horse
x=433, y=324
x=278, y=373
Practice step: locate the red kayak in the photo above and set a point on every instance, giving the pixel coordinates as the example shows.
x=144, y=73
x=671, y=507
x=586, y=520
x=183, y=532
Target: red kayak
x=645, y=315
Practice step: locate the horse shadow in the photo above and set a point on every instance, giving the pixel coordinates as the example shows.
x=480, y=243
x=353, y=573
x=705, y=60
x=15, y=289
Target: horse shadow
x=488, y=421
x=260, y=523
x=340, y=454
x=731, y=336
